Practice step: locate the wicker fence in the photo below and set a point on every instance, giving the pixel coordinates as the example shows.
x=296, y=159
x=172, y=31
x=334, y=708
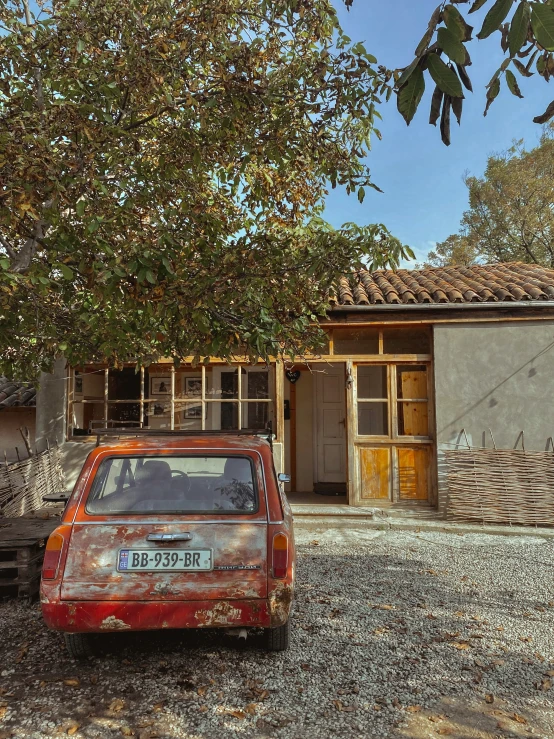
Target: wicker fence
x=22, y=484
x=502, y=486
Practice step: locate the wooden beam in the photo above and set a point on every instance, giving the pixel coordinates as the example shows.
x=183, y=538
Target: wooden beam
x=292, y=402
x=280, y=401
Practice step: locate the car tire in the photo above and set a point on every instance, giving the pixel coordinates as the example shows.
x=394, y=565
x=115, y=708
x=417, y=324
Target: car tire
x=278, y=639
x=79, y=646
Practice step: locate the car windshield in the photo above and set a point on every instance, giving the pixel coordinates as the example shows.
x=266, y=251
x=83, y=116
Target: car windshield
x=178, y=484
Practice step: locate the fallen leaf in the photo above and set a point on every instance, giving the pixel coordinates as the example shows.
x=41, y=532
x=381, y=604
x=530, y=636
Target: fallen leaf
x=436, y=719
x=250, y=708
x=444, y=730
x=203, y=709
x=526, y=638
x=93, y=679
x=117, y=704
x=544, y=684
x=158, y=706
x=413, y=709
x=72, y=728
x=518, y=718
x=73, y=682
x=127, y=731
x=489, y=698
x=234, y=712
x=460, y=644
x=315, y=542
x=3, y=711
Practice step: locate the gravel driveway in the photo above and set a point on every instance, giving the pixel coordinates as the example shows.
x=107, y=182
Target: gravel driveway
x=395, y=635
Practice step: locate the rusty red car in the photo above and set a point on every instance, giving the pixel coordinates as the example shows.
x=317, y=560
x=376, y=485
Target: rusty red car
x=170, y=531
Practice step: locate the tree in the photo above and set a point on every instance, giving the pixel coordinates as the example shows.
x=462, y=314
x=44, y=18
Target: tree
x=526, y=31
x=511, y=211
x=163, y=168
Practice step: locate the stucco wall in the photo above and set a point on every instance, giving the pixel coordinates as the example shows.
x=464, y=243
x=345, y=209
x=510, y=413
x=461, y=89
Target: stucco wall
x=51, y=405
x=11, y=420
x=493, y=375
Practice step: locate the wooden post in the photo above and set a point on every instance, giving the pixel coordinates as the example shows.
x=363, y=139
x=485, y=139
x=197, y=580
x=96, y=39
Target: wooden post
x=172, y=412
x=239, y=396
x=106, y=386
x=353, y=485
x=141, y=412
x=280, y=401
x=203, y=397
x=292, y=408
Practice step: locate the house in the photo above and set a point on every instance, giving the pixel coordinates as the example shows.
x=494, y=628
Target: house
x=17, y=410
x=417, y=363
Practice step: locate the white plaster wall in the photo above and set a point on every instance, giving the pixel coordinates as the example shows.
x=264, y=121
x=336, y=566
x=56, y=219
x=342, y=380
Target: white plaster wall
x=11, y=420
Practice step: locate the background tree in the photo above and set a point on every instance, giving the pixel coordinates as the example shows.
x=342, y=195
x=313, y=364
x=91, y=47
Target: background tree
x=163, y=168
x=526, y=33
x=511, y=210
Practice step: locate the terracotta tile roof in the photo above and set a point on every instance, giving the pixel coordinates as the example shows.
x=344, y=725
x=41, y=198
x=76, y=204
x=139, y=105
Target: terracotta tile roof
x=481, y=283
x=13, y=394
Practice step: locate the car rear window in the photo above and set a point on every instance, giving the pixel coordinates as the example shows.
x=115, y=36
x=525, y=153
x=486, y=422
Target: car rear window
x=173, y=484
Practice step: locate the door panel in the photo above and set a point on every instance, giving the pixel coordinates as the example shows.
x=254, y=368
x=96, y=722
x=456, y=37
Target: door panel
x=413, y=473
x=375, y=468
x=330, y=432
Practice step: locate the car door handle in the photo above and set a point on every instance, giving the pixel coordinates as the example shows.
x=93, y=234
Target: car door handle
x=169, y=537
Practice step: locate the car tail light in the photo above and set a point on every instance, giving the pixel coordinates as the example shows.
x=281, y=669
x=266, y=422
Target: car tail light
x=52, y=556
x=280, y=555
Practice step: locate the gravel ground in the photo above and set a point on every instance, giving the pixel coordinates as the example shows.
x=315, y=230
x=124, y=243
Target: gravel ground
x=395, y=635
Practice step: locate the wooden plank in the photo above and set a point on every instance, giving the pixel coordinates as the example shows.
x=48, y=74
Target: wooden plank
x=375, y=473
x=352, y=480
x=292, y=425
x=415, y=416
x=413, y=473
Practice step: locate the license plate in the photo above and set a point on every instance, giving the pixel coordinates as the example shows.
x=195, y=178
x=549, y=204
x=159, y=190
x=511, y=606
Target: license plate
x=175, y=560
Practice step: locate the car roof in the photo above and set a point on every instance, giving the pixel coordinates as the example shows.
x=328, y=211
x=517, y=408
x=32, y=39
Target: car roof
x=147, y=443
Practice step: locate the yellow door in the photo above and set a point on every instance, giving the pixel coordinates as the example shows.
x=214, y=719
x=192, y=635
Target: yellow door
x=413, y=473
x=375, y=466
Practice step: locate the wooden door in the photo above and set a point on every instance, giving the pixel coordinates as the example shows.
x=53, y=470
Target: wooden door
x=330, y=431
x=413, y=473
x=375, y=473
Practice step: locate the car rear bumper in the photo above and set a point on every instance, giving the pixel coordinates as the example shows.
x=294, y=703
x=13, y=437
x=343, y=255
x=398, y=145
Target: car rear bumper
x=109, y=616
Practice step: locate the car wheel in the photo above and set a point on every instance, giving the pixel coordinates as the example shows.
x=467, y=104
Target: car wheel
x=278, y=639
x=79, y=646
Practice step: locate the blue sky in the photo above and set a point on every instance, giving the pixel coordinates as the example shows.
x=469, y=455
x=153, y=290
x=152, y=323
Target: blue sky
x=424, y=194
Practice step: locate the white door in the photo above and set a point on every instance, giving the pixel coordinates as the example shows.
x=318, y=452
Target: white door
x=330, y=422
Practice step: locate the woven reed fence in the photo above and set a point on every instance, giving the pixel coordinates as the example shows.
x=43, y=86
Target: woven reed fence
x=504, y=486
x=22, y=484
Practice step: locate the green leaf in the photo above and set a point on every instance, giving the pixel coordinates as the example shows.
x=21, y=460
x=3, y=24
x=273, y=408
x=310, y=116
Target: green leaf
x=410, y=95
x=495, y=17
x=449, y=43
x=361, y=194
x=456, y=24
x=66, y=271
x=445, y=77
x=80, y=45
x=80, y=208
x=519, y=27
x=150, y=277
x=477, y=5
x=542, y=23
x=546, y=116
x=436, y=103
x=4, y=262
x=521, y=68
x=512, y=84
x=428, y=35
x=406, y=74
x=492, y=94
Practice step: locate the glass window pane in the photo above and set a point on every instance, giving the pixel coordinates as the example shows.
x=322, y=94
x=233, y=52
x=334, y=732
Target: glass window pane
x=412, y=382
x=372, y=382
x=413, y=419
x=174, y=484
x=256, y=415
x=406, y=341
x=255, y=384
x=123, y=414
x=124, y=384
x=349, y=341
x=373, y=419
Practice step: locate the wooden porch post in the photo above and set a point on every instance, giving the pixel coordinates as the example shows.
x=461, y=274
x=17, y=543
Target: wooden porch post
x=280, y=402
x=351, y=426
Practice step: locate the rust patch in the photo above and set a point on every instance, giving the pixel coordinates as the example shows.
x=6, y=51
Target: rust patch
x=280, y=600
x=111, y=623
x=222, y=614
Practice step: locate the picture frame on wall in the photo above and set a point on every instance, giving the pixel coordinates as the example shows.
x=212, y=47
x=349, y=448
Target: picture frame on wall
x=160, y=385
x=78, y=384
x=193, y=387
x=193, y=411
x=160, y=410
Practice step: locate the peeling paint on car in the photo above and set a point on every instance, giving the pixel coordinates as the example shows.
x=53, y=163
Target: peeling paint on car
x=280, y=601
x=222, y=614
x=113, y=624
